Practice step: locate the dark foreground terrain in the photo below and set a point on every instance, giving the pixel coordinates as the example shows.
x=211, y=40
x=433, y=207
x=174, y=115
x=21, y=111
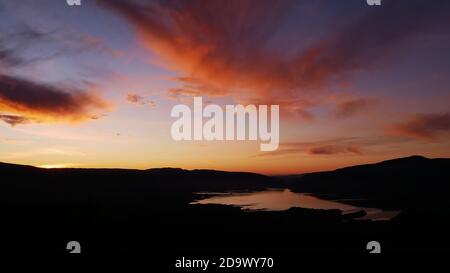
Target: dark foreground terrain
x=147, y=213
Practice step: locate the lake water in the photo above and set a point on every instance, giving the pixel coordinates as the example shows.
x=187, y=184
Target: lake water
x=278, y=200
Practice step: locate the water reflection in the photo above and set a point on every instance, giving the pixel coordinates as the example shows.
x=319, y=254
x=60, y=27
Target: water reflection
x=278, y=200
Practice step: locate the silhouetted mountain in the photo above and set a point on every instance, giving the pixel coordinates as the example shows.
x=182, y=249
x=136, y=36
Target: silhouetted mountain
x=212, y=180
x=27, y=184
x=8, y=167
x=143, y=212
x=411, y=182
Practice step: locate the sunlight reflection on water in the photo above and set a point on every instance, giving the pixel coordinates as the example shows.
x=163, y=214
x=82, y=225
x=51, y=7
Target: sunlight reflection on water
x=279, y=200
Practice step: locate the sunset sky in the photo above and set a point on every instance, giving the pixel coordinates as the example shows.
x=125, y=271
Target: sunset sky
x=93, y=86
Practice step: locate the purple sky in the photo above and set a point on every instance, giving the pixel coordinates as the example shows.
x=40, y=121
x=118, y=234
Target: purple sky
x=93, y=86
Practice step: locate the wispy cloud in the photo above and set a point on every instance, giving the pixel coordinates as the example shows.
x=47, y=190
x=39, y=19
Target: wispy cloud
x=422, y=126
x=221, y=53
x=18, y=40
x=338, y=146
x=353, y=107
x=334, y=149
x=13, y=43
x=139, y=100
x=344, y=146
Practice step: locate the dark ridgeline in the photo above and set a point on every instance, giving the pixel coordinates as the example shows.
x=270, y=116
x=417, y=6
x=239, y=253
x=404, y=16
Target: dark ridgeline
x=118, y=211
x=414, y=182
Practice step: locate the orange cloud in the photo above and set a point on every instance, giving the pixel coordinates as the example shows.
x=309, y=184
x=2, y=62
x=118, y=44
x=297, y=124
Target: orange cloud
x=218, y=54
x=135, y=99
x=25, y=101
x=219, y=46
x=139, y=100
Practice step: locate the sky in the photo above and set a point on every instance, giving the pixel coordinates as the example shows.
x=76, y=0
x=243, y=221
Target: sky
x=93, y=85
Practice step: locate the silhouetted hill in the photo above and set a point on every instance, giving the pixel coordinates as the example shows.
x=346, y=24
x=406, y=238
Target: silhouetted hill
x=33, y=183
x=411, y=182
x=212, y=180
x=143, y=212
x=8, y=167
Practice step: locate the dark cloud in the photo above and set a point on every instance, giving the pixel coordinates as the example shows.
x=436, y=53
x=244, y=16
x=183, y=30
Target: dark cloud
x=352, y=107
x=333, y=149
x=46, y=103
x=14, y=120
x=424, y=126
